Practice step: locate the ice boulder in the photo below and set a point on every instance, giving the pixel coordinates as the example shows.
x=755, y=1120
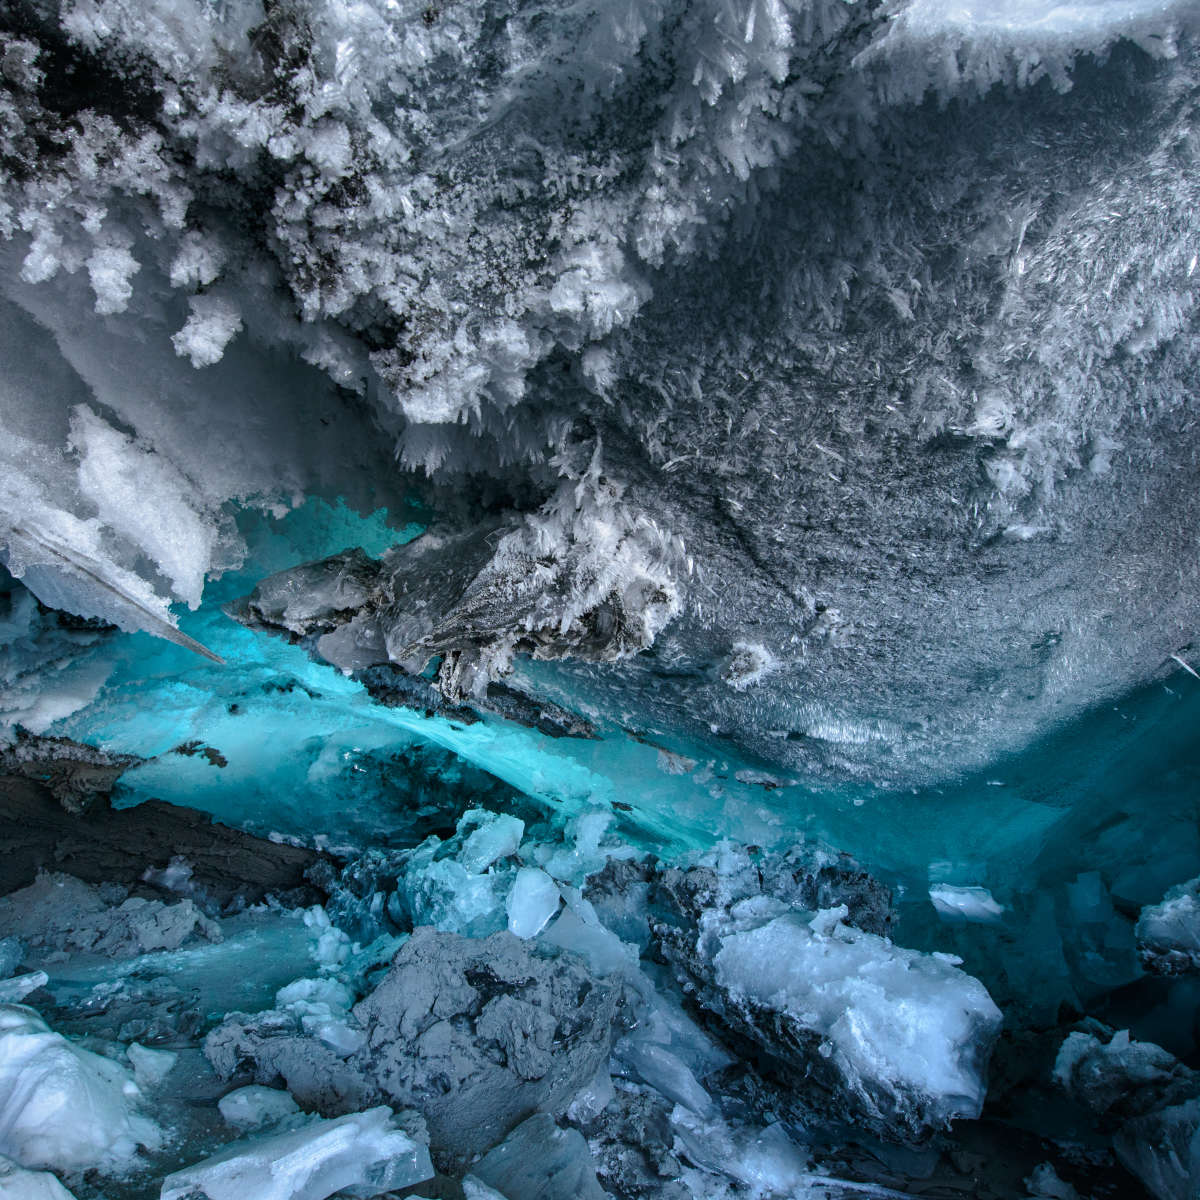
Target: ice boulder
x=18, y=1184
x=62, y=1106
x=910, y=1033
x=1168, y=933
x=888, y=1038
x=361, y=1154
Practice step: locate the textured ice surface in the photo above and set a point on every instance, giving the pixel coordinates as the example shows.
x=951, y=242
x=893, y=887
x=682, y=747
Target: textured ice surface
x=361, y=1154
x=63, y=1106
x=749, y=357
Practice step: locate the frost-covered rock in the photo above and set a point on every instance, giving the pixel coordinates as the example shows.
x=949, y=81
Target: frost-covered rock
x=361, y=1154
x=887, y=1037
x=1168, y=933
x=474, y=1034
x=1146, y=1097
x=58, y=913
x=1116, y=1077
x=587, y=578
x=64, y=1107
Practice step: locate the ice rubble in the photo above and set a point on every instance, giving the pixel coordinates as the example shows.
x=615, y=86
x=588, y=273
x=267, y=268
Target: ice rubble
x=58, y=913
x=16, y=1183
x=362, y=1154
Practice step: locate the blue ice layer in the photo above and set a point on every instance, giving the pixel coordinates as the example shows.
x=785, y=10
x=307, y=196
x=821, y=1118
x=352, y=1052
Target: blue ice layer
x=1070, y=837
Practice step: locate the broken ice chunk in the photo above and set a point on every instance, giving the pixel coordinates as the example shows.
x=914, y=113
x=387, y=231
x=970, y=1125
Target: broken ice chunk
x=533, y=899
x=14, y=990
x=62, y=1106
x=908, y=1029
x=254, y=1106
x=447, y=896
x=362, y=1154
x=493, y=836
x=573, y=863
x=965, y=903
x=1163, y=1150
x=18, y=1184
x=766, y=1160
x=323, y=1007
x=12, y=955
x=539, y=1161
x=656, y=1066
x=1168, y=933
x=475, y=1189
x=150, y=1067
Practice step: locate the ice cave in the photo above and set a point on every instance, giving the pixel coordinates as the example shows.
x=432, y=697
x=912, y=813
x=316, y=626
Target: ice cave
x=599, y=599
